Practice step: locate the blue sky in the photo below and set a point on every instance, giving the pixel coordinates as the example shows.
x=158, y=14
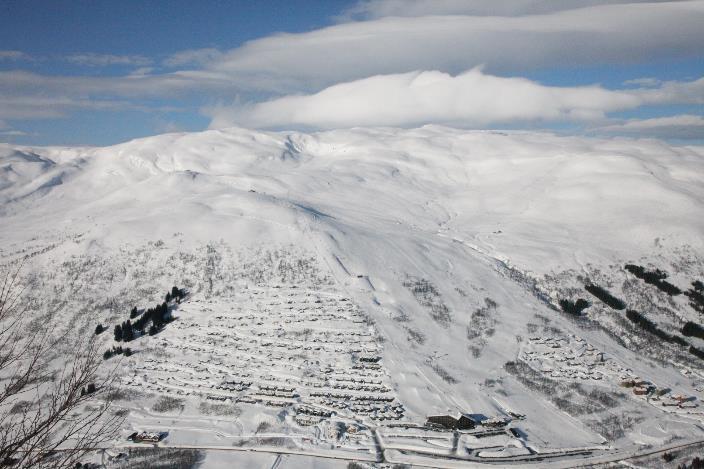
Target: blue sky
x=99, y=72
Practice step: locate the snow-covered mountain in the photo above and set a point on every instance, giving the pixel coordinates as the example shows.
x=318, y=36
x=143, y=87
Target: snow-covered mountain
x=425, y=267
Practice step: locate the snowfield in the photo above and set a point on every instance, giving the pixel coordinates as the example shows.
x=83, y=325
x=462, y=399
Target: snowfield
x=343, y=286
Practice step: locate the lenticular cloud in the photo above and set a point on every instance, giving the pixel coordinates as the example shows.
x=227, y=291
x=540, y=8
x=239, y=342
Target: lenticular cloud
x=406, y=99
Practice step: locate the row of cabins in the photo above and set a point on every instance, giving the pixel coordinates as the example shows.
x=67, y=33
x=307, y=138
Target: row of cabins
x=645, y=388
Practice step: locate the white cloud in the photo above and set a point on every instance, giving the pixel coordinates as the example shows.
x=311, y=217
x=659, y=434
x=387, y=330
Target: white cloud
x=140, y=85
x=9, y=132
x=104, y=60
x=192, y=57
x=360, y=64
x=141, y=72
x=674, y=92
x=48, y=107
x=306, y=62
x=472, y=98
x=13, y=55
x=684, y=126
x=26, y=95
x=619, y=33
x=14, y=133
x=646, y=82
x=371, y=9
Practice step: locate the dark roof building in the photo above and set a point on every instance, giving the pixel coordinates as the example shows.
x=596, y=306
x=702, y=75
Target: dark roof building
x=444, y=421
x=465, y=423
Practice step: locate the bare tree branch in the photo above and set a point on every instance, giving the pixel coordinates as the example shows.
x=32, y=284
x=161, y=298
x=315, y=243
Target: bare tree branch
x=47, y=419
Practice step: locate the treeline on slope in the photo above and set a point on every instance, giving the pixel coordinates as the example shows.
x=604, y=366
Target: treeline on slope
x=649, y=326
x=696, y=296
x=655, y=277
x=692, y=329
x=575, y=308
x=605, y=296
x=696, y=352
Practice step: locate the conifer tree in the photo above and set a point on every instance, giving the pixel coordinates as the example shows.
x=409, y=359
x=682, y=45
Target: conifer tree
x=127, y=332
x=118, y=333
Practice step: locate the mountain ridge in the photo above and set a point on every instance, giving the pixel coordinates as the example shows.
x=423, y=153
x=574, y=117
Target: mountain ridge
x=448, y=250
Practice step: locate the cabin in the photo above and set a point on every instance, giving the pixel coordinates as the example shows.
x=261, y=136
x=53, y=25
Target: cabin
x=628, y=383
x=369, y=358
x=495, y=422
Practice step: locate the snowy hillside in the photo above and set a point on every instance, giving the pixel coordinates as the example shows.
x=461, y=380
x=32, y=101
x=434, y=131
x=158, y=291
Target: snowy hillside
x=343, y=286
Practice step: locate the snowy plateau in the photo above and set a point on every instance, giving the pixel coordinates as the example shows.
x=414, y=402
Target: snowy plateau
x=341, y=287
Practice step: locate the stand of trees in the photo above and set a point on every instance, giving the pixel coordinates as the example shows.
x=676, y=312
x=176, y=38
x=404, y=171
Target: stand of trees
x=605, y=296
x=696, y=352
x=109, y=353
x=656, y=278
x=692, y=329
x=176, y=294
x=574, y=308
x=696, y=296
x=650, y=326
x=124, y=332
x=156, y=318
